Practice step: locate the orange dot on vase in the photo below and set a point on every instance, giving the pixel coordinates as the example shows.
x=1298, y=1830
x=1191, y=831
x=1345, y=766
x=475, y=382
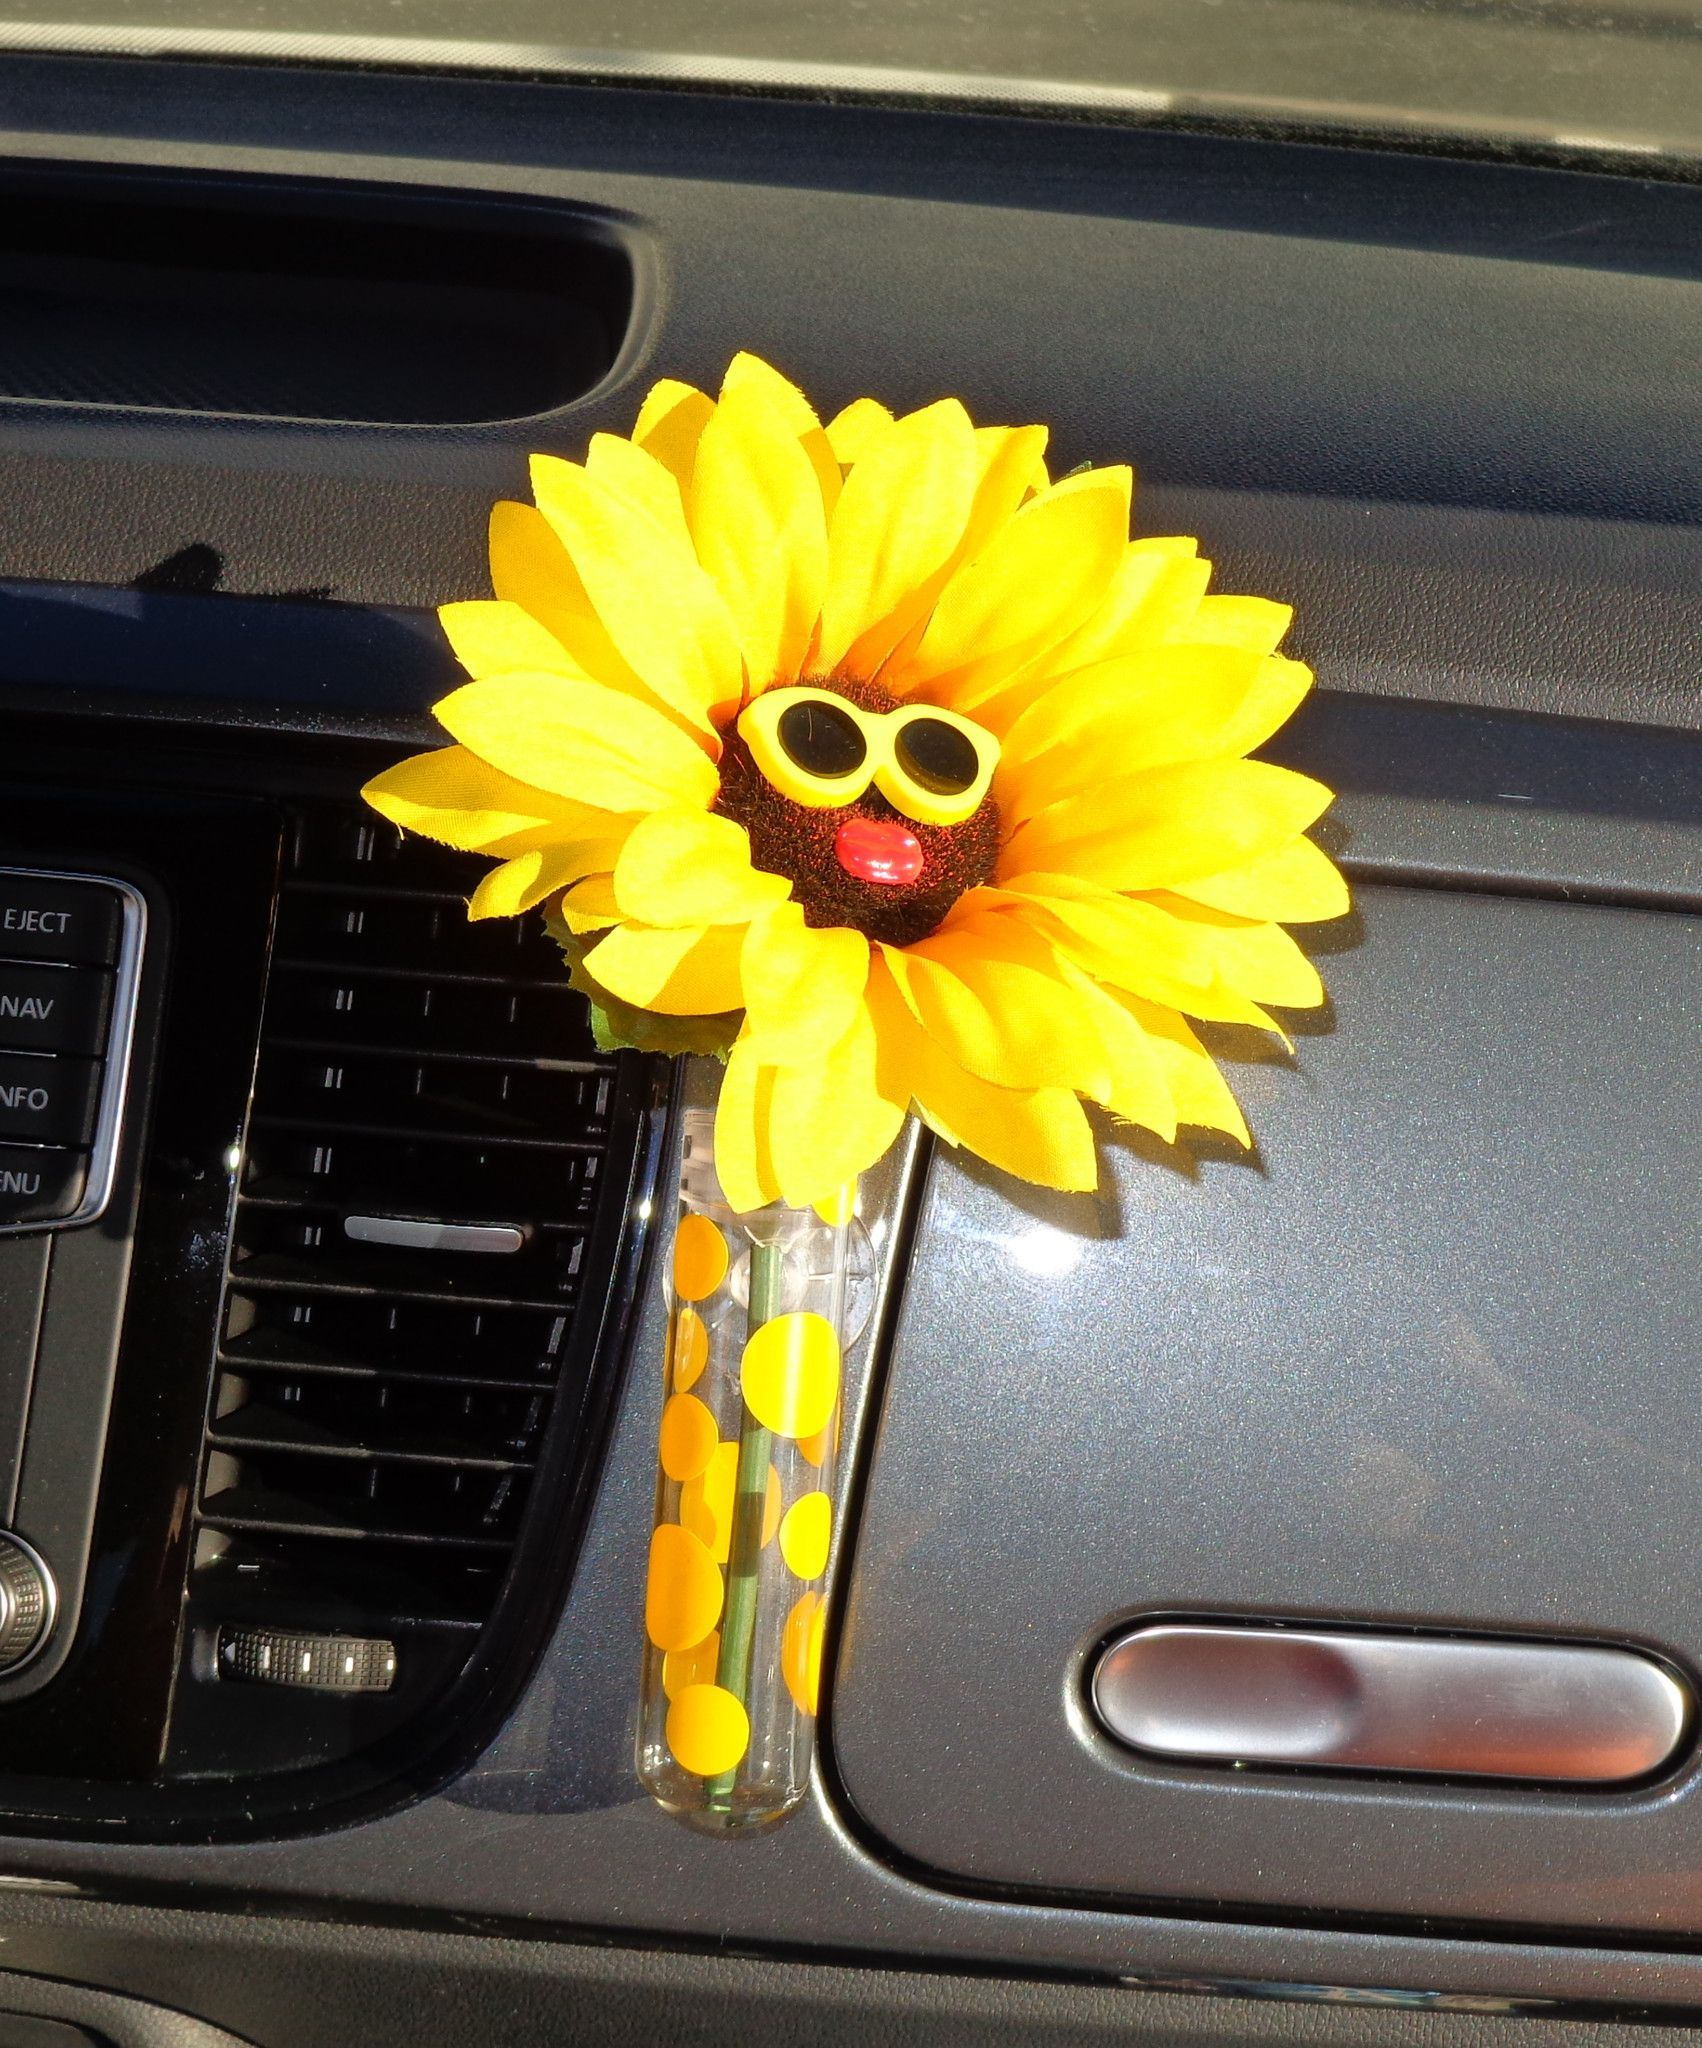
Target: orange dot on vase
x=683, y=1592
x=706, y=1503
x=805, y=1535
x=691, y=1350
x=821, y=1446
x=695, y=1666
x=688, y=1437
x=700, y=1258
x=707, y=1730
x=800, y=1651
x=790, y=1373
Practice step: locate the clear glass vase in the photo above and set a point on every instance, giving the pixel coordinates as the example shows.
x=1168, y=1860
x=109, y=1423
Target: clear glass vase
x=747, y=1500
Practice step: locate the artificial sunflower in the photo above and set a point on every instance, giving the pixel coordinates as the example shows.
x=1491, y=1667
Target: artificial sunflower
x=874, y=759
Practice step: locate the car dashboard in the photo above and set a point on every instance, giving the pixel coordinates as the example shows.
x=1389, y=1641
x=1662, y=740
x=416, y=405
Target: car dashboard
x=1415, y=1376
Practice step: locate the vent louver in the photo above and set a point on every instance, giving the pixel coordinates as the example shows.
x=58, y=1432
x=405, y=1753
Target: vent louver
x=412, y=1261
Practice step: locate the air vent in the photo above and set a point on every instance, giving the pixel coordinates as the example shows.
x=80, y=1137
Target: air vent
x=414, y=1289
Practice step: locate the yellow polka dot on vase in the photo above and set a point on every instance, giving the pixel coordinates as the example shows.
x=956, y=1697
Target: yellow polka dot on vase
x=800, y=1651
x=683, y=1592
x=688, y=1437
x=707, y=1730
x=805, y=1533
x=790, y=1373
x=690, y=1350
x=700, y=1258
x=695, y=1666
x=706, y=1503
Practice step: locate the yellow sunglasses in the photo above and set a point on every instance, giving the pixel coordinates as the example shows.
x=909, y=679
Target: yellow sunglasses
x=821, y=751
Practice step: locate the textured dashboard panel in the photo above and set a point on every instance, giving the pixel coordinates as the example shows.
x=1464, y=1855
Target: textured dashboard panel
x=1428, y=1360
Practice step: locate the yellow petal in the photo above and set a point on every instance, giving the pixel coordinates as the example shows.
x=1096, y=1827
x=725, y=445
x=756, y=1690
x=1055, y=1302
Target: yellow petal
x=1168, y=825
x=616, y=464
x=1279, y=687
x=1199, y=1092
x=749, y=376
x=1121, y=939
x=1261, y=961
x=525, y=881
x=1255, y=623
x=760, y=529
x=1012, y=465
x=990, y=994
x=669, y=423
x=498, y=639
x=1153, y=596
x=1035, y=581
x=1136, y=1087
x=590, y=905
x=899, y=520
x=744, y=1129
x=662, y=611
x=661, y=402
x=691, y=867
x=830, y=1119
x=1038, y=1134
x=453, y=796
x=853, y=432
x=683, y=973
x=1296, y=884
x=1120, y=717
x=1135, y=946
x=803, y=986
x=799, y=1132
x=580, y=741
x=531, y=568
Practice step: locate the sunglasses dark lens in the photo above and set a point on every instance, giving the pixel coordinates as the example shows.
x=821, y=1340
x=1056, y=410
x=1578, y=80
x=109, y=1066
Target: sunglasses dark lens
x=937, y=756
x=821, y=739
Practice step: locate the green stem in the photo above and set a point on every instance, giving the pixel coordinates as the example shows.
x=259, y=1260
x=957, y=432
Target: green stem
x=750, y=1508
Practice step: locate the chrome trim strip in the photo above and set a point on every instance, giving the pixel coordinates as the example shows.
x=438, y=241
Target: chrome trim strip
x=1388, y=126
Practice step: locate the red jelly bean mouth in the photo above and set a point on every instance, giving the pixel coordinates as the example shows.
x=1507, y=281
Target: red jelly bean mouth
x=877, y=850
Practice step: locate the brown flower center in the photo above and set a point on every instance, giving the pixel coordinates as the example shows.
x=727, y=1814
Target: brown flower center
x=802, y=843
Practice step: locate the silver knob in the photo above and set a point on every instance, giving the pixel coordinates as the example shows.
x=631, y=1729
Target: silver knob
x=28, y=1602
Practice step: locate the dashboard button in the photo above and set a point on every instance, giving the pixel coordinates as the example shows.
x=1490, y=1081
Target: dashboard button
x=37, y=1185
x=52, y=1009
x=49, y=1100
x=43, y=919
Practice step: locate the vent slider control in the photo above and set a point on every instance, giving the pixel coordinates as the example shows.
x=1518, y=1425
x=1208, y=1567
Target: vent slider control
x=261, y=1656
x=423, y=1234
